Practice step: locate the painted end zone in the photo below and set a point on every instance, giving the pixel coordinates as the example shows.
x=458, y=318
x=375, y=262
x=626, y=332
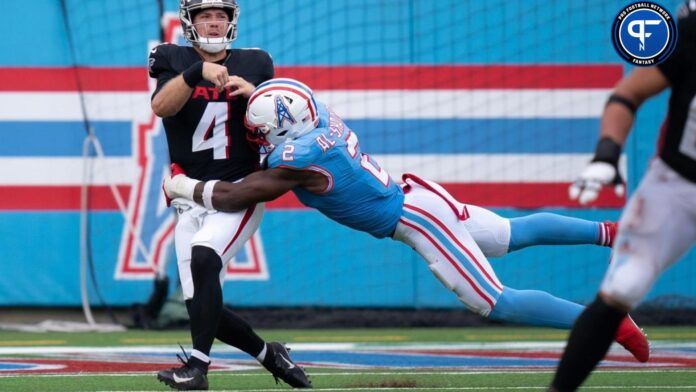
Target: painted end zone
x=516, y=357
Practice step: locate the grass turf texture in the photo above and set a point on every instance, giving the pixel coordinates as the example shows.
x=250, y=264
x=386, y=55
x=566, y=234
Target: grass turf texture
x=652, y=379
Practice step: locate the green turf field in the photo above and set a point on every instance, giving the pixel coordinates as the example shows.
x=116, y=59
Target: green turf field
x=423, y=378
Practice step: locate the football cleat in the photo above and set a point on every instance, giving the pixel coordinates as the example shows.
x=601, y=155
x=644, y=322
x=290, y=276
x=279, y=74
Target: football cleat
x=185, y=377
x=280, y=365
x=633, y=339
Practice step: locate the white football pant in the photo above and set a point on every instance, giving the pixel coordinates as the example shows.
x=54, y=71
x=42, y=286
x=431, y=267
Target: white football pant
x=657, y=227
x=437, y=227
x=224, y=232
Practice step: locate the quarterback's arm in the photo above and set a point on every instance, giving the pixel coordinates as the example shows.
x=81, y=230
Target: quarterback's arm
x=173, y=95
x=636, y=87
x=171, y=98
x=257, y=187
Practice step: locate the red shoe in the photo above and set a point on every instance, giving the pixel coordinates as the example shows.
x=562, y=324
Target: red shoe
x=633, y=339
x=607, y=233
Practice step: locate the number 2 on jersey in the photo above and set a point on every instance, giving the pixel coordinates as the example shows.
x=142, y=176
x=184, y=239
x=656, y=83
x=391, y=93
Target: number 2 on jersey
x=212, y=132
x=365, y=163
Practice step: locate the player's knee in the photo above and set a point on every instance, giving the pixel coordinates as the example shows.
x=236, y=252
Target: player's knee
x=205, y=264
x=454, y=281
x=624, y=296
x=629, y=279
x=482, y=308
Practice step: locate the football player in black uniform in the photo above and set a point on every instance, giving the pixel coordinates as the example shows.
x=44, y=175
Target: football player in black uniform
x=201, y=96
x=658, y=225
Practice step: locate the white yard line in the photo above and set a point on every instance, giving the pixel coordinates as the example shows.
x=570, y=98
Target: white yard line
x=355, y=373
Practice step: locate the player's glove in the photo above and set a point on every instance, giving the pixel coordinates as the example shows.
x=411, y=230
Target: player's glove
x=602, y=170
x=178, y=184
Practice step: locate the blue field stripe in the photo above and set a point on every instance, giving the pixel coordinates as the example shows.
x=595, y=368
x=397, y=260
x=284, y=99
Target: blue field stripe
x=459, y=255
x=424, y=136
x=488, y=136
x=62, y=138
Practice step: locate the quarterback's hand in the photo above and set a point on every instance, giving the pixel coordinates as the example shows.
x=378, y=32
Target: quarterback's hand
x=215, y=74
x=178, y=184
x=238, y=86
x=596, y=175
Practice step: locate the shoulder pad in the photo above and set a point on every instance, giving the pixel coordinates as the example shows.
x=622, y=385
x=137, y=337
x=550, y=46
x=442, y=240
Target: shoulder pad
x=159, y=59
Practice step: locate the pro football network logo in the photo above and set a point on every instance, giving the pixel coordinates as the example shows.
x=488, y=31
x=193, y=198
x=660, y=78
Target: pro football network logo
x=644, y=33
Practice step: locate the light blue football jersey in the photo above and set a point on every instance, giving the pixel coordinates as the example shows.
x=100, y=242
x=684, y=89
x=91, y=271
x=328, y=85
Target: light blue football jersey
x=360, y=194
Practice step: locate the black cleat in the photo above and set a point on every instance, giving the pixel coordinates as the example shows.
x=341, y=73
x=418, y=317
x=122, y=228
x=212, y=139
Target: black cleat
x=185, y=377
x=280, y=365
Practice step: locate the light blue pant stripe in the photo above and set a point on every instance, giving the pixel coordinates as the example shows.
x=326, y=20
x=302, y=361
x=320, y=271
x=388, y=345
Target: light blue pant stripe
x=454, y=250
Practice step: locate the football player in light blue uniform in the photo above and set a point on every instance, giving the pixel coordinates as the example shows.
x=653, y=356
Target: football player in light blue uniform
x=318, y=157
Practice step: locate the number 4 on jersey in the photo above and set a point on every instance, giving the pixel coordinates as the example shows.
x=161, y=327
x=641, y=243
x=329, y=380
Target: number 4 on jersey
x=212, y=132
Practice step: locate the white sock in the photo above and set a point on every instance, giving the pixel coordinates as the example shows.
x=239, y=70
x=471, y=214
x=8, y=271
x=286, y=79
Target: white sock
x=200, y=355
x=262, y=354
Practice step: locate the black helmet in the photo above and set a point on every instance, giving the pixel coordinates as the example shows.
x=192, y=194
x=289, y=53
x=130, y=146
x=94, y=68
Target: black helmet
x=189, y=8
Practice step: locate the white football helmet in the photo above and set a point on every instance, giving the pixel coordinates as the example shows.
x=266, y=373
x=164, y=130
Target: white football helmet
x=189, y=8
x=280, y=109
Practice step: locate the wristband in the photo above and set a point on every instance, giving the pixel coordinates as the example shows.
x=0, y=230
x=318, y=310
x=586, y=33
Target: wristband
x=621, y=100
x=208, y=194
x=607, y=151
x=193, y=74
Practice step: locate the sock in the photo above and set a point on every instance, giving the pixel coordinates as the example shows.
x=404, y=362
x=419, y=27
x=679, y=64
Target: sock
x=269, y=357
x=237, y=332
x=198, y=363
x=533, y=307
x=206, y=305
x=551, y=229
x=262, y=355
x=588, y=343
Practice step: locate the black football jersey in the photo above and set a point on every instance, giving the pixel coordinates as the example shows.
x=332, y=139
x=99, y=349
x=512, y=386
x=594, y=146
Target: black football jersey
x=207, y=138
x=677, y=141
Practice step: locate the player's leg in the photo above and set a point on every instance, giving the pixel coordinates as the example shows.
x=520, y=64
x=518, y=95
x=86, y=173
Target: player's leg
x=430, y=226
x=554, y=229
x=200, y=264
x=657, y=227
x=498, y=236
x=188, y=224
x=451, y=253
x=231, y=328
x=221, y=235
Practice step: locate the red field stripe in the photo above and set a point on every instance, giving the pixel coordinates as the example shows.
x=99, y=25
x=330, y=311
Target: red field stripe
x=416, y=77
x=57, y=197
x=65, y=79
x=393, y=77
x=516, y=195
x=525, y=195
x=73, y=366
